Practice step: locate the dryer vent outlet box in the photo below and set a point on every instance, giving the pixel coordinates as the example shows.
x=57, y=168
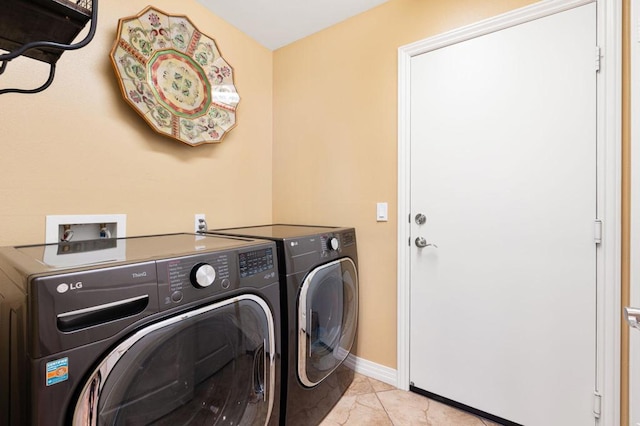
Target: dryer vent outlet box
x=84, y=227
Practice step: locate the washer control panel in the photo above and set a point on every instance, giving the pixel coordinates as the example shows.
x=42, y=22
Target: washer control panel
x=194, y=278
x=255, y=261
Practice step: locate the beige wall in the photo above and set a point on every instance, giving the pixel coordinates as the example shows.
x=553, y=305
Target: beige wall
x=335, y=133
x=78, y=148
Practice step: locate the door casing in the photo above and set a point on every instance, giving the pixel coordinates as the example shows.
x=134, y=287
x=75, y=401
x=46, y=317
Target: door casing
x=608, y=183
x=634, y=278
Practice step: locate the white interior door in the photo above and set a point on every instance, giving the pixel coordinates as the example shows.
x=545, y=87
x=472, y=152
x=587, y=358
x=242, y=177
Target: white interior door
x=503, y=166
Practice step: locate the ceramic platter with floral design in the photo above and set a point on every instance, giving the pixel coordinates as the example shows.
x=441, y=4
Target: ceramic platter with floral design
x=174, y=77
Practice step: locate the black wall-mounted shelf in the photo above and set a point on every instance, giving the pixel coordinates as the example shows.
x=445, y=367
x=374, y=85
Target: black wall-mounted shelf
x=25, y=21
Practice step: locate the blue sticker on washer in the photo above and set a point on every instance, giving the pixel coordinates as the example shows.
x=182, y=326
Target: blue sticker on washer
x=57, y=371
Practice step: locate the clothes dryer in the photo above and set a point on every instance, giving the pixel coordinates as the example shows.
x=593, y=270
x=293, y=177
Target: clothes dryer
x=319, y=279
x=173, y=330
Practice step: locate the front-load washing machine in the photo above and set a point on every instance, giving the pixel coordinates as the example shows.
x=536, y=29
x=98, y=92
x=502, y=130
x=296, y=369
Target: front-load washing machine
x=173, y=330
x=319, y=278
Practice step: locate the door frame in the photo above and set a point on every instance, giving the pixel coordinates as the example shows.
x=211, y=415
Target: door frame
x=634, y=268
x=609, y=114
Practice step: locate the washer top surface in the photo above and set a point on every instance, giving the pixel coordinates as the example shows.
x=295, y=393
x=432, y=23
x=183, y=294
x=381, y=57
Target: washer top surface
x=278, y=231
x=127, y=250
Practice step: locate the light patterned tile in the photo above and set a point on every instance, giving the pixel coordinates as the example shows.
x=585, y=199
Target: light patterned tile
x=379, y=386
x=490, y=423
x=407, y=408
x=358, y=410
x=359, y=386
x=442, y=415
x=371, y=402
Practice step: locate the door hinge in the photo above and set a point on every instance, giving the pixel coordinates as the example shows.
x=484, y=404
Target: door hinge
x=597, y=231
x=597, y=404
x=598, y=57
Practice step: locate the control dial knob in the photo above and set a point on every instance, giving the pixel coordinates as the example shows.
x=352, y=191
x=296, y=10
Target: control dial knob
x=333, y=243
x=203, y=275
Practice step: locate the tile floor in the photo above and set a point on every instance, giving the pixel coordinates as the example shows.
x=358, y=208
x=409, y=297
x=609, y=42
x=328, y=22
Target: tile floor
x=373, y=403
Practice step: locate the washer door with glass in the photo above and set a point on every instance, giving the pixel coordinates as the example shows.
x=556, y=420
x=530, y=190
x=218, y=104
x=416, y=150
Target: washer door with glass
x=327, y=319
x=212, y=365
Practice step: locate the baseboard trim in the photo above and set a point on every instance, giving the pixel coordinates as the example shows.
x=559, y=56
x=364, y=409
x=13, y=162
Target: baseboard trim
x=371, y=369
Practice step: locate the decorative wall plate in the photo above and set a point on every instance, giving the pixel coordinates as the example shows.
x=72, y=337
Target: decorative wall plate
x=174, y=77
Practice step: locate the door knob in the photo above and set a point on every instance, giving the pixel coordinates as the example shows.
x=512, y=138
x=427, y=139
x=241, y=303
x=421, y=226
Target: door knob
x=422, y=243
x=633, y=316
x=421, y=219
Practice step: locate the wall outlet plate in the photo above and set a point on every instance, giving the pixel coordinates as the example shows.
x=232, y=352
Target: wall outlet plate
x=85, y=227
x=199, y=222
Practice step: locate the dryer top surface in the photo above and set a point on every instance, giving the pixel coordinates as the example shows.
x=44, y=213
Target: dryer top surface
x=278, y=231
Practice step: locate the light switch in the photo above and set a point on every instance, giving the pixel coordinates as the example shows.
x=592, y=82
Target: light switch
x=382, y=212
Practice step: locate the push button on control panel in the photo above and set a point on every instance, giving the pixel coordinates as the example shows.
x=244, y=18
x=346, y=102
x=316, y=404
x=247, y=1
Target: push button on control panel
x=176, y=296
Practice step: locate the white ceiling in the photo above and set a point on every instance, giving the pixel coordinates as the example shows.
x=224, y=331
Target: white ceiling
x=276, y=23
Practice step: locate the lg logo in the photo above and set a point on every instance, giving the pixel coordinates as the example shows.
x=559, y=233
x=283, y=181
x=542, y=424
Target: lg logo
x=64, y=287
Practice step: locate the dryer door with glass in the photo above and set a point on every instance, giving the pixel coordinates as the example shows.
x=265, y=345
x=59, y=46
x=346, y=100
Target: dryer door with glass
x=327, y=319
x=211, y=365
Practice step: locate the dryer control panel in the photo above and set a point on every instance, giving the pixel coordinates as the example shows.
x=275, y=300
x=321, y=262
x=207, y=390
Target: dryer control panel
x=335, y=242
